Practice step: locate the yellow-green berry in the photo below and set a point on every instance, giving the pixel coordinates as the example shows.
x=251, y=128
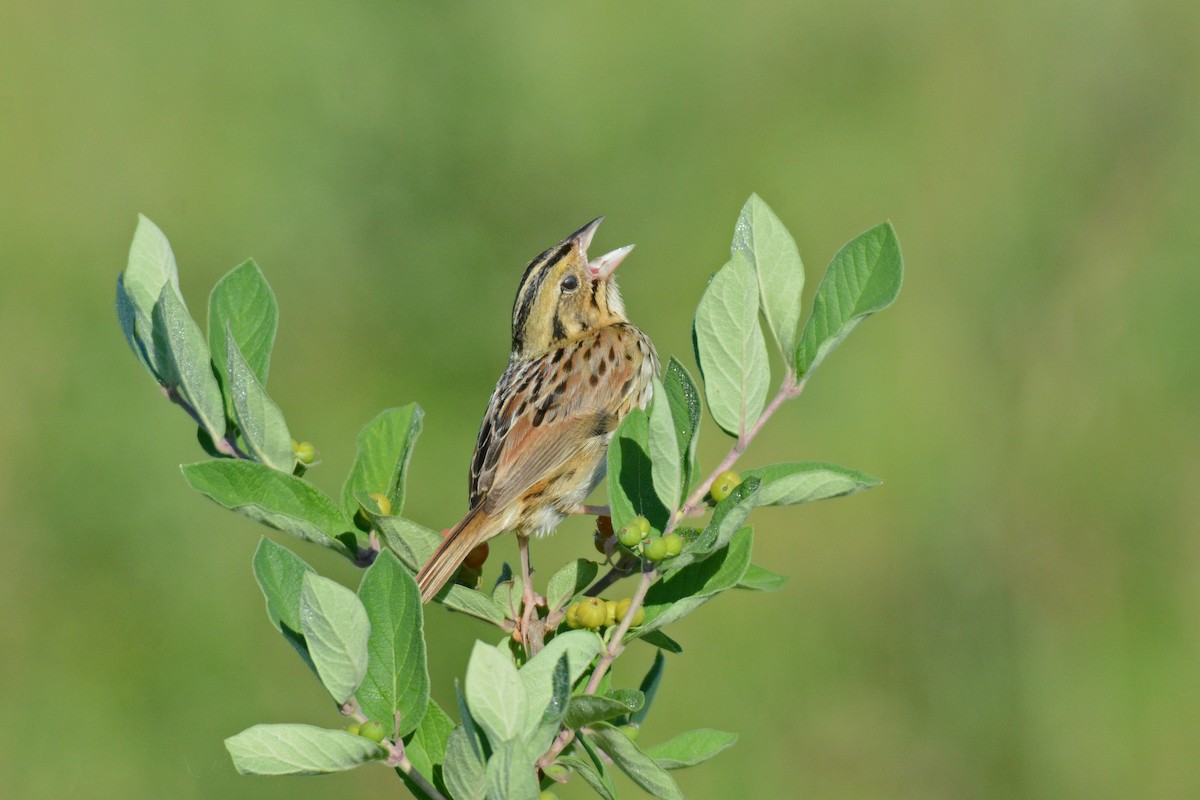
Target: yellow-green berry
x=655, y=549
x=630, y=535
x=304, y=451
x=592, y=612
x=573, y=617
x=372, y=730
x=610, y=611
x=547, y=795
x=674, y=544
x=724, y=485
x=383, y=504
x=631, y=731
x=643, y=525
x=623, y=609
x=353, y=728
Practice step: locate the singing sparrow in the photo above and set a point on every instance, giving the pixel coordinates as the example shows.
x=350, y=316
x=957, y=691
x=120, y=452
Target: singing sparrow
x=577, y=367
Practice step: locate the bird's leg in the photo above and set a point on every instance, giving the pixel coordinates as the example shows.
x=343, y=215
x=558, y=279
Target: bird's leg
x=595, y=511
x=529, y=599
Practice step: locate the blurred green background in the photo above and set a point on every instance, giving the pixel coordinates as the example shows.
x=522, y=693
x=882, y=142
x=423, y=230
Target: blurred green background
x=1012, y=614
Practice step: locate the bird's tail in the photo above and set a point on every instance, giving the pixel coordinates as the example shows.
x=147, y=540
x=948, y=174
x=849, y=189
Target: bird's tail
x=474, y=529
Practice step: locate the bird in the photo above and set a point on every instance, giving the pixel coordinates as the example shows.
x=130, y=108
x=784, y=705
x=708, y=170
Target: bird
x=577, y=367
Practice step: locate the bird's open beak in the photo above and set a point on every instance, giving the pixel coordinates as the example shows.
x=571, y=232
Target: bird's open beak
x=603, y=266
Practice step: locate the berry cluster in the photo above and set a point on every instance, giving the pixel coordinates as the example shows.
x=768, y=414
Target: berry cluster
x=635, y=537
x=370, y=730
x=594, y=613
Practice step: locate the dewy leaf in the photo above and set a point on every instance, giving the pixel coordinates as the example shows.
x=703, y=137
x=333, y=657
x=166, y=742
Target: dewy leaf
x=555, y=711
x=510, y=772
x=280, y=574
x=666, y=460
x=337, y=628
x=463, y=770
x=730, y=348
x=188, y=370
x=691, y=747
x=299, y=750
x=649, y=688
x=259, y=419
x=726, y=520
x=761, y=579
x=384, y=448
x=242, y=306
x=278, y=500
x=864, y=277
x=682, y=592
x=397, y=677
x=580, y=647
x=641, y=768
x=684, y=399
x=764, y=241
x=588, y=708
x=630, y=479
x=151, y=266
x=806, y=481
x=576, y=576
x=496, y=695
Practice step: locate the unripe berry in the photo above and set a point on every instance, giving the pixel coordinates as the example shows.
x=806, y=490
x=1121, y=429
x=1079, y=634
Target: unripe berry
x=591, y=613
x=547, y=795
x=573, y=617
x=304, y=452
x=724, y=485
x=674, y=544
x=383, y=503
x=623, y=609
x=372, y=730
x=631, y=731
x=353, y=728
x=655, y=549
x=610, y=613
x=476, y=557
x=604, y=527
x=630, y=535
x=643, y=525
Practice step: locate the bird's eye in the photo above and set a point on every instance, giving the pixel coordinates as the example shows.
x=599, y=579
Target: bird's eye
x=569, y=283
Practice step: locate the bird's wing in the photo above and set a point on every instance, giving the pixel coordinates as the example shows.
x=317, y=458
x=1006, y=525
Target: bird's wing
x=544, y=411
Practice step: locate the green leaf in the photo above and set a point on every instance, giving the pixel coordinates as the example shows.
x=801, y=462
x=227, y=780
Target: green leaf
x=258, y=418
x=470, y=602
x=863, y=278
x=726, y=520
x=336, y=628
x=761, y=579
x=299, y=750
x=580, y=647
x=691, y=747
x=510, y=772
x=764, y=242
x=666, y=458
x=463, y=769
x=384, y=448
x=187, y=370
x=730, y=348
x=151, y=266
x=806, y=481
x=630, y=480
x=662, y=642
x=569, y=581
x=556, y=710
x=649, y=688
x=276, y=499
x=683, y=591
x=280, y=574
x=397, y=677
x=684, y=399
x=137, y=327
x=588, y=708
x=641, y=768
x=496, y=695
x=242, y=307
x=584, y=760
x=426, y=747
